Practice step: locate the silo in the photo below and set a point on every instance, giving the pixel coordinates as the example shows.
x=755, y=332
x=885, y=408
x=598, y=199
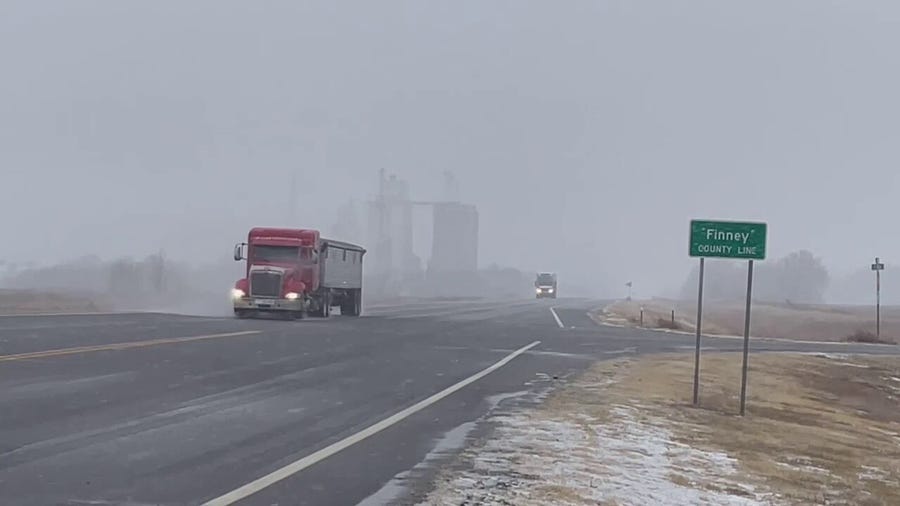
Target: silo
x=454, y=247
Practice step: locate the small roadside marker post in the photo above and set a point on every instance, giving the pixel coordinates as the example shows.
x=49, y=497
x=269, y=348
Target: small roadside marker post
x=734, y=240
x=878, y=267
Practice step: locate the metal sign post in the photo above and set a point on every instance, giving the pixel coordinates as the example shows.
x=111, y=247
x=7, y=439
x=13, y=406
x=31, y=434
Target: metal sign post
x=697, y=343
x=746, y=336
x=726, y=239
x=877, y=267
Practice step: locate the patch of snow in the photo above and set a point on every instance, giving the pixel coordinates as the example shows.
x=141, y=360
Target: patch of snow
x=832, y=356
x=630, y=349
x=644, y=458
x=545, y=353
x=531, y=457
x=892, y=387
x=871, y=473
x=451, y=442
x=836, y=356
x=806, y=468
x=851, y=364
x=885, y=432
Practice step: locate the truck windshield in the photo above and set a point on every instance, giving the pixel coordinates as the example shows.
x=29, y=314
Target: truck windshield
x=545, y=279
x=265, y=253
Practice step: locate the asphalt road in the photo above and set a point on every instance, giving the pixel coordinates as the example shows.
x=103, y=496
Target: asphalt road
x=156, y=409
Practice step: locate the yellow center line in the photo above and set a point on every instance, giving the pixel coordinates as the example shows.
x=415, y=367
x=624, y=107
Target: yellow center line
x=120, y=346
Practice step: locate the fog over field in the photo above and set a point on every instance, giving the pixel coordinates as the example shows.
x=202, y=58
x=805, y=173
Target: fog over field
x=587, y=133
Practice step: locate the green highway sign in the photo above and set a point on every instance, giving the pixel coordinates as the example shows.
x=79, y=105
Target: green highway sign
x=728, y=239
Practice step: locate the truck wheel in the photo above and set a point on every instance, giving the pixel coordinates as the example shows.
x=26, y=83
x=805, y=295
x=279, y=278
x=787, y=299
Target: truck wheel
x=354, y=303
x=323, y=306
x=326, y=306
x=348, y=303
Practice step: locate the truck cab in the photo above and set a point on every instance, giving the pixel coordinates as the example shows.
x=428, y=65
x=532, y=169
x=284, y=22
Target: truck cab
x=291, y=272
x=545, y=285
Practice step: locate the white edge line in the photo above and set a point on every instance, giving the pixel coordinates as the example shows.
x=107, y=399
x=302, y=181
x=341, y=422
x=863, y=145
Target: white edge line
x=556, y=317
x=299, y=465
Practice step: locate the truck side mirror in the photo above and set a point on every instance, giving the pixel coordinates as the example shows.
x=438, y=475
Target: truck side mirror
x=239, y=251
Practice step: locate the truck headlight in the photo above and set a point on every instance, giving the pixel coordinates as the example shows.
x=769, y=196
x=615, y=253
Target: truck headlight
x=550, y=290
x=291, y=295
x=237, y=293
x=537, y=290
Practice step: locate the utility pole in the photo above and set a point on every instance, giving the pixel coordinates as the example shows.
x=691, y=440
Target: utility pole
x=878, y=267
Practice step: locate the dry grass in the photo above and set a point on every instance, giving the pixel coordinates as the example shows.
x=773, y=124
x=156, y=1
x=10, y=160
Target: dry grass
x=670, y=324
x=864, y=336
x=31, y=302
x=819, y=430
x=804, y=322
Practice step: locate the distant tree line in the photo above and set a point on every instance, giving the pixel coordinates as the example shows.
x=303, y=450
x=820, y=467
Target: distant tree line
x=123, y=276
x=151, y=282
x=799, y=277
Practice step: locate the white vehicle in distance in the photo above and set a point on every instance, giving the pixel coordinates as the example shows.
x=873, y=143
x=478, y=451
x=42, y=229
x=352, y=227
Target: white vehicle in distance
x=545, y=285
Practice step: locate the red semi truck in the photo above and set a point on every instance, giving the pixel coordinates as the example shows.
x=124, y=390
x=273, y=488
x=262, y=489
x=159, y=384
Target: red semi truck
x=295, y=272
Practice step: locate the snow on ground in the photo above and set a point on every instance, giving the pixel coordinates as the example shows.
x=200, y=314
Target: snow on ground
x=877, y=474
x=621, y=434
x=535, y=459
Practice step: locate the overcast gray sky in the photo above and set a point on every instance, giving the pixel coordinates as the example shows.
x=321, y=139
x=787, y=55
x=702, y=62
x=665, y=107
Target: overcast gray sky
x=588, y=133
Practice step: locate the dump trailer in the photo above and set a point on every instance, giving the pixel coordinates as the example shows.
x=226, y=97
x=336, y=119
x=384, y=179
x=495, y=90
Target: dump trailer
x=296, y=272
x=545, y=285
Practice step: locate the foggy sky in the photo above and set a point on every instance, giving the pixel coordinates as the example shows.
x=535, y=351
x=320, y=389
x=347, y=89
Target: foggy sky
x=587, y=133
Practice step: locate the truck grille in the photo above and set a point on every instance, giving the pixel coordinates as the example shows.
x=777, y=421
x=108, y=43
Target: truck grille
x=265, y=284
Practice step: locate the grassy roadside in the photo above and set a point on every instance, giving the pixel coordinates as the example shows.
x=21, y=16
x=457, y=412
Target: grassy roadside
x=819, y=430
x=813, y=323
x=34, y=302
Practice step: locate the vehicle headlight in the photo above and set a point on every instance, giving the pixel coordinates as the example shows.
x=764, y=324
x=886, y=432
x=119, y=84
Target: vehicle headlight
x=550, y=290
x=237, y=293
x=538, y=290
x=291, y=296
